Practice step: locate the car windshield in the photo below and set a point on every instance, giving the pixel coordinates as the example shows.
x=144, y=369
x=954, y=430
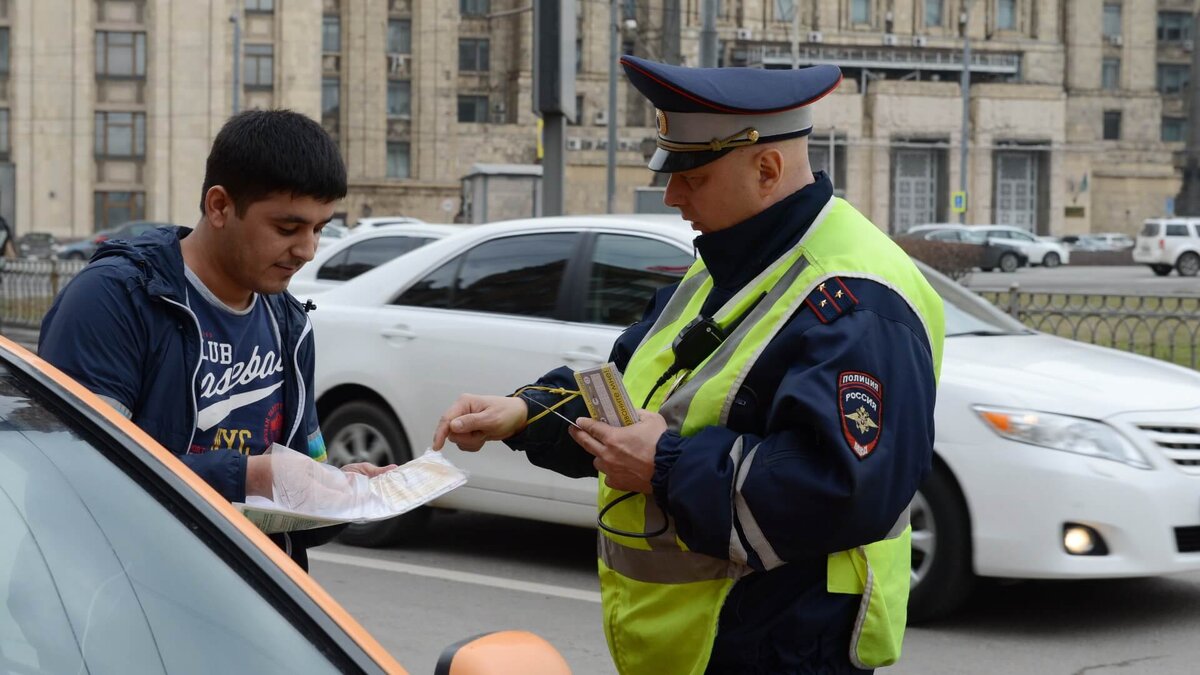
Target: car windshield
x=101, y=575
x=966, y=312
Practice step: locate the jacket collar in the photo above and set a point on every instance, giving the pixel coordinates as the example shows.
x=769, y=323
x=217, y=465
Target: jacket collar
x=736, y=255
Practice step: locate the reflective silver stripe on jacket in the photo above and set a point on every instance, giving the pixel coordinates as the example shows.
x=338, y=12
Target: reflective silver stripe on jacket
x=754, y=534
x=675, y=306
x=664, y=566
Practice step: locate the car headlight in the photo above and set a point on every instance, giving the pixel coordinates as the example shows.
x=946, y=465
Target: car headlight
x=1061, y=432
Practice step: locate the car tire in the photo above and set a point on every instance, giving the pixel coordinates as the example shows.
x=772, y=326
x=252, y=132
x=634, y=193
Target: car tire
x=1009, y=262
x=986, y=269
x=1051, y=260
x=1188, y=264
x=365, y=431
x=1161, y=270
x=942, y=577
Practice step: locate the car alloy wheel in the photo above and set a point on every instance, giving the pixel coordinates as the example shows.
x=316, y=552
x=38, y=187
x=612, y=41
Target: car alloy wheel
x=1051, y=260
x=942, y=578
x=1161, y=270
x=1009, y=263
x=1188, y=264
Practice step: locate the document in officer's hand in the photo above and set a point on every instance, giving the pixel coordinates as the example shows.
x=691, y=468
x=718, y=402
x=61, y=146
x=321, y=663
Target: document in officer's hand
x=605, y=396
x=387, y=495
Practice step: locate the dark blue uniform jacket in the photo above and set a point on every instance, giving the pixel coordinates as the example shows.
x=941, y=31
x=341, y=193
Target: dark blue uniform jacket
x=809, y=492
x=115, y=329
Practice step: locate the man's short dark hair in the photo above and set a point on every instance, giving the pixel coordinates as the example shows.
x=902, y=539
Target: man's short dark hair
x=260, y=152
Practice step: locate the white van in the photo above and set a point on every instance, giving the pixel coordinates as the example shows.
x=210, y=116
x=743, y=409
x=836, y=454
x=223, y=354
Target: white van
x=1169, y=243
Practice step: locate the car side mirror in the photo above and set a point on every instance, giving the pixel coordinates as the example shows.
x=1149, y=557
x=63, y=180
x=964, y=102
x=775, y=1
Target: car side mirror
x=509, y=652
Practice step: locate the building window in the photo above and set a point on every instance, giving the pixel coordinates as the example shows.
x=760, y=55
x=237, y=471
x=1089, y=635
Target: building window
x=474, y=7
x=263, y=6
x=1112, y=125
x=4, y=50
x=473, y=55
x=1174, y=26
x=1172, y=78
x=933, y=12
x=399, y=38
x=629, y=9
x=114, y=208
x=578, y=55
x=1110, y=74
x=1112, y=20
x=120, y=54
x=860, y=11
x=472, y=108
x=120, y=134
x=331, y=34
x=4, y=146
x=259, y=66
x=1174, y=129
x=331, y=96
x=397, y=159
x=1006, y=14
x=399, y=101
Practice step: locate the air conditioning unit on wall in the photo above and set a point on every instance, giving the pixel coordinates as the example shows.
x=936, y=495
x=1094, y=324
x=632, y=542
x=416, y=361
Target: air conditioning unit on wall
x=601, y=118
x=745, y=34
x=889, y=39
x=920, y=40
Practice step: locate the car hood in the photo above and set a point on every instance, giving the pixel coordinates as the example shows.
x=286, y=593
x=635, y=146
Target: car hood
x=1051, y=374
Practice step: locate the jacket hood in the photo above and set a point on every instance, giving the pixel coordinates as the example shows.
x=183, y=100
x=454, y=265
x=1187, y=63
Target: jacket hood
x=157, y=256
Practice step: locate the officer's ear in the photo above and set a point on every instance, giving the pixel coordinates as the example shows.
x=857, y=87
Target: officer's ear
x=770, y=170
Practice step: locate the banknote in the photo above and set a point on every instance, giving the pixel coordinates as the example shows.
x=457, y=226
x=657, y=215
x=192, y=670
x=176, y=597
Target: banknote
x=605, y=396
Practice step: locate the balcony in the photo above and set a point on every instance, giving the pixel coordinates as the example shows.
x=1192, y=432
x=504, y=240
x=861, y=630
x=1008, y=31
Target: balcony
x=399, y=65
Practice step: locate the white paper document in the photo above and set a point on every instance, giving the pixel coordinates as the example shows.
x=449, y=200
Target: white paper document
x=385, y=496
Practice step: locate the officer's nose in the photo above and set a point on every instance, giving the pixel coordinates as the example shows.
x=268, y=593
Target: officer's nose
x=673, y=196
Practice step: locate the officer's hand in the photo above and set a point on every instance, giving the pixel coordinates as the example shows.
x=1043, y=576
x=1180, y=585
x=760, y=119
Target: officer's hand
x=624, y=454
x=474, y=420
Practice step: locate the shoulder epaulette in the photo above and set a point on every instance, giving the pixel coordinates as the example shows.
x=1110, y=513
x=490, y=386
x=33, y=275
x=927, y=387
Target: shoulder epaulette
x=830, y=299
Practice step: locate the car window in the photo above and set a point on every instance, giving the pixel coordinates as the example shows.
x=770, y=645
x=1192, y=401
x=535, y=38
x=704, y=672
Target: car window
x=1150, y=230
x=519, y=275
x=1021, y=236
x=1197, y=227
x=997, y=234
x=367, y=255
x=944, y=235
x=965, y=311
x=99, y=576
x=625, y=272
x=1177, y=230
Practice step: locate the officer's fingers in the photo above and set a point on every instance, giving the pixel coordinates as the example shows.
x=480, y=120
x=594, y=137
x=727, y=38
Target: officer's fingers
x=481, y=422
x=587, y=442
x=470, y=442
x=461, y=406
x=598, y=430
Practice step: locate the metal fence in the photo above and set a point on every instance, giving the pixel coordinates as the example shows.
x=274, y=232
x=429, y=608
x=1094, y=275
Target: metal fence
x=1165, y=327
x=27, y=287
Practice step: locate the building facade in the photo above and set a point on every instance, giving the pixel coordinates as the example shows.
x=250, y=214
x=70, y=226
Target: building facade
x=1076, y=115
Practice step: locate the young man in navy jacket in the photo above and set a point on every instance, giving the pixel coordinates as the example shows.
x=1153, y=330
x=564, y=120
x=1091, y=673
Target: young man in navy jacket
x=190, y=332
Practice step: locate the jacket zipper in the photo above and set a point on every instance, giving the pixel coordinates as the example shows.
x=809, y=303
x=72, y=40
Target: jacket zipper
x=192, y=388
x=299, y=380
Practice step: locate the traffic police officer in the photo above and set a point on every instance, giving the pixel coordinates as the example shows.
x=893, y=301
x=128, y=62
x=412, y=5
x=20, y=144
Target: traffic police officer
x=755, y=519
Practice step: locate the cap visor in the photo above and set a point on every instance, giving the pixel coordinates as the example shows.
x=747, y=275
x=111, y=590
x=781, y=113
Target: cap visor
x=665, y=161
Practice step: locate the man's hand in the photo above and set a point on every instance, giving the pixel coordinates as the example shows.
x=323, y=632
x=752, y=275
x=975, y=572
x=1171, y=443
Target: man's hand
x=474, y=420
x=625, y=455
x=367, y=469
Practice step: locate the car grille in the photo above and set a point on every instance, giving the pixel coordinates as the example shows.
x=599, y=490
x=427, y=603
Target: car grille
x=1187, y=539
x=1180, y=444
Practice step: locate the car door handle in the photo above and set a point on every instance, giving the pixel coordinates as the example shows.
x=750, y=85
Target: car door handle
x=588, y=356
x=400, y=332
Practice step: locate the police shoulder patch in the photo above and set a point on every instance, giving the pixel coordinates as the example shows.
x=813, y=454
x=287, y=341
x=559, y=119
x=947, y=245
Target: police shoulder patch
x=860, y=405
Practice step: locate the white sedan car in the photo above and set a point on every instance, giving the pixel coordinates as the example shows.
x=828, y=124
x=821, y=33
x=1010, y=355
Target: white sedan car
x=1054, y=459
x=349, y=255
x=1040, y=251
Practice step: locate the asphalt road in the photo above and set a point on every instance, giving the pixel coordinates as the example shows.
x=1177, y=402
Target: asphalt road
x=1132, y=280
x=476, y=573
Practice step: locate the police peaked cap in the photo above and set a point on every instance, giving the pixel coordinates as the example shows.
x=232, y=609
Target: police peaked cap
x=704, y=113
